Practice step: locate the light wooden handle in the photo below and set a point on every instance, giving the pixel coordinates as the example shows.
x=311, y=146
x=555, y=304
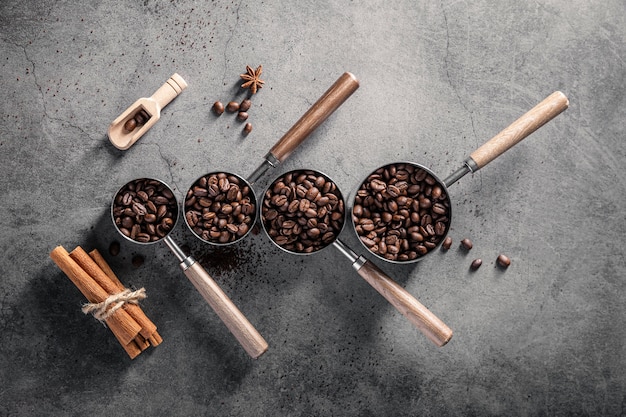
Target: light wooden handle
x=536, y=117
x=324, y=107
x=169, y=90
x=249, y=338
x=429, y=324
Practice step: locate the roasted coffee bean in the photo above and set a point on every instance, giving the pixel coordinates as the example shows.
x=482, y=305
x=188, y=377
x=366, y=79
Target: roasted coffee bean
x=218, y=108
x=245, y=105
x=114, y=248
x=130, y=125
x=144, y=210
x=220, y=208
x=303, y=211
x=247, y=128
x=467, y=244
x=402, y=200
x=232, y=106
x=447, y=243
x=476, y=263
x=503, y=261
x=242, y=116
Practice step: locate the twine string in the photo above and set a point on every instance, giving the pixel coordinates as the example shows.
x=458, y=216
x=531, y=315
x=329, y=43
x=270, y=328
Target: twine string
x=104, y=309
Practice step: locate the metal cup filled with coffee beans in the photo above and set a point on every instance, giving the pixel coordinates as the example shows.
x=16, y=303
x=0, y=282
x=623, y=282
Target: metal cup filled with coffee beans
x=303, y=212
x=401, y=212
x=220, y=208
x=145, y=211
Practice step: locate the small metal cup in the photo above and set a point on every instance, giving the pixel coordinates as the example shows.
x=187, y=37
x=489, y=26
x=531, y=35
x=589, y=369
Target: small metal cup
x=290, y=243
x=141, y=212
x=226, y=219
x=396, y=225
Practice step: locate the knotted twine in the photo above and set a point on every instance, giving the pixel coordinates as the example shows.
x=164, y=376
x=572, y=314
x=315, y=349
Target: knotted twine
x=106, y=308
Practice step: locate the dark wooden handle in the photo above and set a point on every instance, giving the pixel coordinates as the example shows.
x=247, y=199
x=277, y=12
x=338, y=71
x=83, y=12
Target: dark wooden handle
x=324, y=107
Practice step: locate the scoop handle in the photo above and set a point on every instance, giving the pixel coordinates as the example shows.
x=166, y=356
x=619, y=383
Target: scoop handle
x=343, y=88
x=422, y=318
x=536, y=117
x=249, y=338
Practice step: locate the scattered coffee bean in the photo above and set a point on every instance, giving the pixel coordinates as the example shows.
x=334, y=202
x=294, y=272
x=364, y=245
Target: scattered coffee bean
x=503, y=261
x=396, y=214
x=232, y=106
x=218, y=108
x=303, y=211
x=137, y=261
x=467, y=244
x=447, y=243
x=220, y=208
x=247, y=128
x=145, y=210
x=114, y=248
x=245, y=105
x=476, y=263
x=242, y=116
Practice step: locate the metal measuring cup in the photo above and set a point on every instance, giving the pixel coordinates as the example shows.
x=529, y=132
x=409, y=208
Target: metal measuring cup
x=402, y=211
x=303, y=212
x=145, y=211
x=220, y=207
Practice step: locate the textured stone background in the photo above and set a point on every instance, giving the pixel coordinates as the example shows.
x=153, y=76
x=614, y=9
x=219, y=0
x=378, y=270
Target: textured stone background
x=545, y=337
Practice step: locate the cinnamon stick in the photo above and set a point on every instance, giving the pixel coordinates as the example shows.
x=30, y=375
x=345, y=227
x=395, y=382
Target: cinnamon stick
x=149, y=330
x=123, y=326
x=112, y=286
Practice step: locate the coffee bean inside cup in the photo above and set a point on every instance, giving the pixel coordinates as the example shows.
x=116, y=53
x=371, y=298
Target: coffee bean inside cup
x=303, y=211
x=220, y=208
x=145, y=210
x=401, y=212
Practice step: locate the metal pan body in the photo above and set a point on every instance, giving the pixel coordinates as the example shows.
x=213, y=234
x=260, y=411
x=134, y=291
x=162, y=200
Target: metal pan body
x=220, y=208
x=401, y=212
x=144, y=210
x=303, y=211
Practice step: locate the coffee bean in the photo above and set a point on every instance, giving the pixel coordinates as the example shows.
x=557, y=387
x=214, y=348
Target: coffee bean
x=503, y=261
x=447, y=243
x=476, y=263
x=242, y=116
x=144, y=210
x=406, y=199
x=218, y=108
x=114, y=248
x=130, y=125
x=303, y=211
x=247, y=128
x=467, y=244
x=245, y=105
x=220, y=208
x=232, y=106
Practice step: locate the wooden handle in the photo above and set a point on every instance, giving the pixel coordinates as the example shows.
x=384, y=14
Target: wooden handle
x=169, y=90
x=536, y=117
x=249, y=338
x=324, y=107
x=405, y=303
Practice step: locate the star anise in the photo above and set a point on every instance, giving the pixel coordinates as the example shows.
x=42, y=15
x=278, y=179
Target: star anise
x=252, y=79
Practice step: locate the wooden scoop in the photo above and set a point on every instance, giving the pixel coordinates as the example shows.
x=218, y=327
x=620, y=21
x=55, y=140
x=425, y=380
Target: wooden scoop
x=143, y=114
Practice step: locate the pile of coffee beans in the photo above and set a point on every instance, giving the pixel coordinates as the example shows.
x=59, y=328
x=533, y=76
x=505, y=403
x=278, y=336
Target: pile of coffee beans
x=401, y=212
x=145, y=210
x=303, y=211
x=220, y=208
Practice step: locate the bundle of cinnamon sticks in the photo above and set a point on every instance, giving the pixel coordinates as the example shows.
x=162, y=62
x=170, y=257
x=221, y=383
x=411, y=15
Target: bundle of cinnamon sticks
x=98, y=283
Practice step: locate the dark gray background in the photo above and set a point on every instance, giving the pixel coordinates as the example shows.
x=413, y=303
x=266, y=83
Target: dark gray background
x=545, y=337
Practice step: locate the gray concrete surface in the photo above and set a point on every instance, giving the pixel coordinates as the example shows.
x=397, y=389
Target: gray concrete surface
x=545, y=337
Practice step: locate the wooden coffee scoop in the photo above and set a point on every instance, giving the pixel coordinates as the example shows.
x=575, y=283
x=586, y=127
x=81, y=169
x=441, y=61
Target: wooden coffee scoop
x=143, y=114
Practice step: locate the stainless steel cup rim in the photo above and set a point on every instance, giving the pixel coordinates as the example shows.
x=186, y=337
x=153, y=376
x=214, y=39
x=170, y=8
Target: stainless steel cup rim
x=122, y=188
x=439, y=182
x=254, y=198
x=301, y=170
